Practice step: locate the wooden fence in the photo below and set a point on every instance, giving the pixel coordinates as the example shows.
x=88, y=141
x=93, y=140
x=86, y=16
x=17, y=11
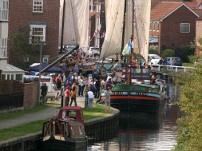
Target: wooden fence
x=11, y=94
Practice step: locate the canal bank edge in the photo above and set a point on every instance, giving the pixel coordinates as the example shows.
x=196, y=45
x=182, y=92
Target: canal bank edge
x=98, y=129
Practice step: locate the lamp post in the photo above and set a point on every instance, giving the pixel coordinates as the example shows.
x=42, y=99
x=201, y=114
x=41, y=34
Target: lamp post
x=39, y=80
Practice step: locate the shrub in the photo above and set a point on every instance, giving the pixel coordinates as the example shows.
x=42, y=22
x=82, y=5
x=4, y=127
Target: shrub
x=153, y=50
x=184, y=52
x=193, y=58
x=168, y=53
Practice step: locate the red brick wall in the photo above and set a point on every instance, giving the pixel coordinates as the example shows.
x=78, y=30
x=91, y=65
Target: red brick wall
x=170, y=36
x=30, y=94
x=20, y=14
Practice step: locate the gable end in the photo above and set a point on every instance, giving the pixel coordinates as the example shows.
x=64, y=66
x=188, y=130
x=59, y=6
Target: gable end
x=177, y=9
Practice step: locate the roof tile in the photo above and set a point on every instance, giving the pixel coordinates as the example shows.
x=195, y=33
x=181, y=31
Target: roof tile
x=163, y=9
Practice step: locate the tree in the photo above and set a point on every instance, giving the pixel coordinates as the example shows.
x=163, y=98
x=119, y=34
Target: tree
x=168, y=53
x=185, y=51
x=190, y=103
x=22, y=53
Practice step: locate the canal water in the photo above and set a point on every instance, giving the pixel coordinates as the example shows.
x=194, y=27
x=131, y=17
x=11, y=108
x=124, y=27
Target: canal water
x=145, y=132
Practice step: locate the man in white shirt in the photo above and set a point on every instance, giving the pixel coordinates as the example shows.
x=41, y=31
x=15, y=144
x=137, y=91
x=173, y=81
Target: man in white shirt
x=90, y=99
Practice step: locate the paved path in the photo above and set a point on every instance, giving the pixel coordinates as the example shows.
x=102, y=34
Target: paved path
x=41, y=115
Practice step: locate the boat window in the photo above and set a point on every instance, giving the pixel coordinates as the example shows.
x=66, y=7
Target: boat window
x=72, y=114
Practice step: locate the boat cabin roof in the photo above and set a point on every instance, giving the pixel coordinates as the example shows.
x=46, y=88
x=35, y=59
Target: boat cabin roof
x=71, y=113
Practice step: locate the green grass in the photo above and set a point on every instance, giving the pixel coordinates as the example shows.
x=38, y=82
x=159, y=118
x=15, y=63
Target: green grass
x=16, y=114
x=97, y=111
x=21, y=130
x=32, y=127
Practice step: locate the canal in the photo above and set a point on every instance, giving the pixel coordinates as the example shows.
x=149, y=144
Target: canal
x=145, y=132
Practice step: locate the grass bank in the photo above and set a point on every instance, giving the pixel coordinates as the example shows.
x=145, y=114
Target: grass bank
x=32, y=127
x=19, y=113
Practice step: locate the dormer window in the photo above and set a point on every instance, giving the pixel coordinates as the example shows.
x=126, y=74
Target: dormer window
x=38, y=6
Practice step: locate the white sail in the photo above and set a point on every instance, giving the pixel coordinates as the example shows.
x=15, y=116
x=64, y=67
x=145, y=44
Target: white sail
x=114, y=26
x=142, y=22
x=76, y=22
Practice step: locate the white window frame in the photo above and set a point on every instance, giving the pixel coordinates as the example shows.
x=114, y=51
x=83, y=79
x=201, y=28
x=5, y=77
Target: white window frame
x=38, y=6
x=182, y=26
x=4, y=6
x=42, y=37
x=3, y=47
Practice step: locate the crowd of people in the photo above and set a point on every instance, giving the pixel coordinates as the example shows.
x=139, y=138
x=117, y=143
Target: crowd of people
x=90, y=89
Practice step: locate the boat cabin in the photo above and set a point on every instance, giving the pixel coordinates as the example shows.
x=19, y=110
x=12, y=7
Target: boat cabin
x=71, y=113
x=66, y=131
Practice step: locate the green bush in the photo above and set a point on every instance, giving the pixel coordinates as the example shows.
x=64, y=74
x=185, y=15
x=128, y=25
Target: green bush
x=193, y=58
x=168, y=53
x=153, y=50
x=184, y=52
x=190, y=103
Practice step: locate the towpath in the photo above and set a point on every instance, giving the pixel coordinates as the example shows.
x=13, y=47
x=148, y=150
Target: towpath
x=40, y=115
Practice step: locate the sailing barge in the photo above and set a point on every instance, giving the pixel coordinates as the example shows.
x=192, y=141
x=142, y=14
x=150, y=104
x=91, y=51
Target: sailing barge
x=133, y=18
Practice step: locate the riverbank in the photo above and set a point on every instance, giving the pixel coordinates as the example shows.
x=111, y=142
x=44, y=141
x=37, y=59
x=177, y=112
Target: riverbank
x=40, y=116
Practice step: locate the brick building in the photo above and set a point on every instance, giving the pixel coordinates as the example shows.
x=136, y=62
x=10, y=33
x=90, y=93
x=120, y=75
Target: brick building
x=42, y=17
x=172, y=24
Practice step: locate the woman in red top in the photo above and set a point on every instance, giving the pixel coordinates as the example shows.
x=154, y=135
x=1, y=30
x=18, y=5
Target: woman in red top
x=67, y=95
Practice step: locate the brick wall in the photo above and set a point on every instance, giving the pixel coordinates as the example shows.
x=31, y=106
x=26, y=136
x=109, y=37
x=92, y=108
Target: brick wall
x=20, y=15
x=30, y=94
x=170, y=29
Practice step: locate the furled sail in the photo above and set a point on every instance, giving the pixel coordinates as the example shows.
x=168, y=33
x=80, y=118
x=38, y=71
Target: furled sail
x=114, y=27
x=76, y=22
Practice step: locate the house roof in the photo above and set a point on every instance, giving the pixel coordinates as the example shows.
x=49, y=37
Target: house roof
x=8, y=68
x=164, y=9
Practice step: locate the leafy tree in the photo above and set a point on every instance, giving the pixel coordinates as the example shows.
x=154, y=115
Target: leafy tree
x=190, y=103
x=22, y=53
x=153, y=50
x=185, y=51
x=168, y=53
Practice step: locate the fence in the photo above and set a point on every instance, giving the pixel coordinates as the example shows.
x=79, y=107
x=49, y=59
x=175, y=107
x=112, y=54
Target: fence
x=170, y=68
x=11, y=94
x=11, y=101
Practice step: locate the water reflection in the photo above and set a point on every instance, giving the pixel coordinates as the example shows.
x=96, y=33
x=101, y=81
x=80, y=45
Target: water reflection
x=143, y=132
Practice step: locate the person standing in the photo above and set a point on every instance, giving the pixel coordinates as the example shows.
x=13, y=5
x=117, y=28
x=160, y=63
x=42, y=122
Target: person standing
x=90, y=99
x=67, y=95
x=44, y=91
x=58, y=86
x=73, y=96
x=107, y=99
x=97, y=86
x=85, y=91
x=81, y=85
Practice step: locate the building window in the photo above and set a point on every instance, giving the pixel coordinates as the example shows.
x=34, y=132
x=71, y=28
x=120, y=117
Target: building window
x=3, y=47
x=37, y=33
x=185, y=28
x=4, y=10
x=38, y=6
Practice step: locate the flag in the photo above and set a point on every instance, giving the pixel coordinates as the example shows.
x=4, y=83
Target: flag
x=127, y=49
